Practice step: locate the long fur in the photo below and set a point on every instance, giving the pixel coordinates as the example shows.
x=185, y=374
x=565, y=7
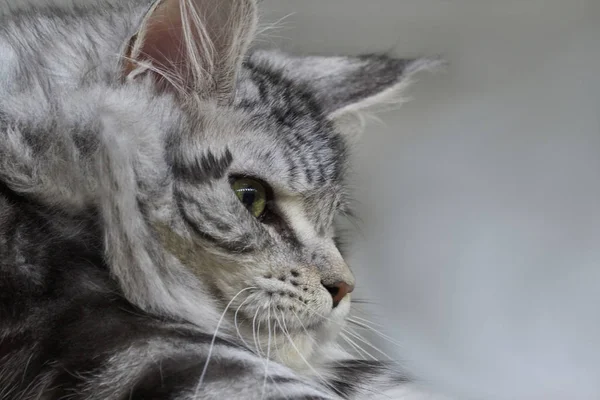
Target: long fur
x=128, y=267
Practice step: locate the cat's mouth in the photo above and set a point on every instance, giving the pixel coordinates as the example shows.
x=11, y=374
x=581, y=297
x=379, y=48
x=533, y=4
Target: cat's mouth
x=293, y=301
x=287, y=325
x=288, y=310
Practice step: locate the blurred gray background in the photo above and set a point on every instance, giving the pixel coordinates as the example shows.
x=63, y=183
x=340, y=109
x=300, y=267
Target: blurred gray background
x=480, y=243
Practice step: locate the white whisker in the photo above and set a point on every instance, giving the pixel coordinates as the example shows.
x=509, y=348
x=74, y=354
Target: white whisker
x=359, y=351
x=268, y=350
x=303, y=327
x=236, y=326
x=367, y=322
x=362, y=339
x=260, y=349
x=214, y=338
x=380, y=334
x=254, y=333
x=309, y=335
x=357, y=347
x=357, y=336
x=274, y=333
x=286, y=333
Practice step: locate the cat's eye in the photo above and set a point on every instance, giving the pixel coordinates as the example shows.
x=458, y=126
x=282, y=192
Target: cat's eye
x=252, y=194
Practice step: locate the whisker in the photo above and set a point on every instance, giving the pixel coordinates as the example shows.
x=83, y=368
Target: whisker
x=362, y=301
x=357, y=347
x=268, y=350
x=237, y=328
x=367, y=322
x=214, y=338
x=303, y=327
x=357, y=336
x=258, y=336
x=310, y=337
x=274, y=333
x=254, y=333
x=380, y=334
x=358, y=352
x=286, y=333
x=362, y=339
x=358, y=309
x=354, y=346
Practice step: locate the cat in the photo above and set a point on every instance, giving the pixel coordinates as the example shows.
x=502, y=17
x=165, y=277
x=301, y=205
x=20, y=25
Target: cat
x=167, y=204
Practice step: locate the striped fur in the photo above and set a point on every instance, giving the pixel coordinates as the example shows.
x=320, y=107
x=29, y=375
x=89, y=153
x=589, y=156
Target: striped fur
x=128, y=267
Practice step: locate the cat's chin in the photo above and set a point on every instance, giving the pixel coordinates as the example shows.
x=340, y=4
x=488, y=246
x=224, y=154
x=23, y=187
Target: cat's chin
x=303, y=355
x=296, y=356
x=302, y=350
x=299, y=345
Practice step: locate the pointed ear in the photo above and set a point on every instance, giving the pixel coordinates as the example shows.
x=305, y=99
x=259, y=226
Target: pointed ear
x=346, y=85
x=193, y=46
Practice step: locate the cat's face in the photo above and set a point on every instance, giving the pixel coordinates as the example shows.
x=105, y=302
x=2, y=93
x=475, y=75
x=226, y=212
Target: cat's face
x=258, y=188
x=259, y=171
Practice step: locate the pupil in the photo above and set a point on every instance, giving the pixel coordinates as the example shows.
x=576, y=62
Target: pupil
x=248, y=197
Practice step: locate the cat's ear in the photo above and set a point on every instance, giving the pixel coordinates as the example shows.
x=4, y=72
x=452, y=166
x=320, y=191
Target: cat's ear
x=346, y=85
x=193, y=46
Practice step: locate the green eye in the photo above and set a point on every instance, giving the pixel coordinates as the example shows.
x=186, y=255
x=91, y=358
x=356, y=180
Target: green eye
x=252, y=194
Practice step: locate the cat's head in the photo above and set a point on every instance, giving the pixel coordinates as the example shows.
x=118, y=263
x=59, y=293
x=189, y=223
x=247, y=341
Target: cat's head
x=260, y=172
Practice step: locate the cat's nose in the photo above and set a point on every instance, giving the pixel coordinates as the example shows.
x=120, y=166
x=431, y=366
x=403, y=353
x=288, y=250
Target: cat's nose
x=338, y=291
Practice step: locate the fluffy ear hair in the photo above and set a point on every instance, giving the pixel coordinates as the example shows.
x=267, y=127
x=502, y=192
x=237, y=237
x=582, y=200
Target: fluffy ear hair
x=346, y=85
x=193, y=46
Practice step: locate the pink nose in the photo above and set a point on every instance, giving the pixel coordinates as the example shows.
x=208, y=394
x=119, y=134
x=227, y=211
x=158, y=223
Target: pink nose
x=338, y=291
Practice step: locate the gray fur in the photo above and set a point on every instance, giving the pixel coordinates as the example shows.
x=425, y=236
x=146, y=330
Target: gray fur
x=120, y=157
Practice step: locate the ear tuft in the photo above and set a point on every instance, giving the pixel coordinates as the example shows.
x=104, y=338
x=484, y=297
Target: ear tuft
x=346, y=85
x=379, y=84
x=193, y=46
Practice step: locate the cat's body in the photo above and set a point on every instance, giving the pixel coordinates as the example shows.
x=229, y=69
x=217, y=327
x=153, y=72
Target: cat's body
x=122, y=246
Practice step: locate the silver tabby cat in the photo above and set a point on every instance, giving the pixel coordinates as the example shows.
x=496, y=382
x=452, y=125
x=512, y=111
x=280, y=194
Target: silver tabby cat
x=167, y=199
